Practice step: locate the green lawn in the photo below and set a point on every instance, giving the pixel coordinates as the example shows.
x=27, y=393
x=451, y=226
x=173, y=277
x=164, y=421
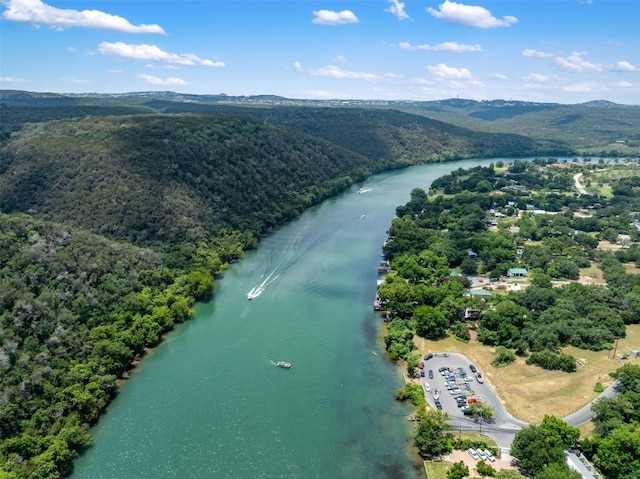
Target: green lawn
x=437, y=469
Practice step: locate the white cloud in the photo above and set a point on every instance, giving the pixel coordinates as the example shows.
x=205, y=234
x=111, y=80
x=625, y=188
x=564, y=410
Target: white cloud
x=442, y=47
x=340, y=59
x=625, y=66
x=500, y=76
x=397, y=10
x=334, y=71
x=470, y=15
x=13, y=80
x=39, y=13
x=623, y=84
x=211, y=63
x=113, y=70
x=329, y=17
x=161, y=81
x=152, y=52
x=535, y=54
x=581, y=87
x=537, y=77
x=297, y=66
x=71, y=49
x=445, y=72
x=576, y=63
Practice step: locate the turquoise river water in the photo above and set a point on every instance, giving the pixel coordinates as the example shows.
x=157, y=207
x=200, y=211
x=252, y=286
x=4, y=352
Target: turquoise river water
x=210, y=402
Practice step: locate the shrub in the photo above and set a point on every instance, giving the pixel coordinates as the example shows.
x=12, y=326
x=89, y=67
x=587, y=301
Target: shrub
x=503, y=357
x=461, y=331
x=598, y=388
x=549, y=360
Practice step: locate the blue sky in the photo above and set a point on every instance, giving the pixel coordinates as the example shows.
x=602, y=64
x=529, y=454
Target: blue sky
x=566, y=51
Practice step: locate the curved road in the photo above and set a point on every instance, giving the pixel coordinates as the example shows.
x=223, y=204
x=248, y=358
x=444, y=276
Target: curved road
x=504, y=426
x=578, y=185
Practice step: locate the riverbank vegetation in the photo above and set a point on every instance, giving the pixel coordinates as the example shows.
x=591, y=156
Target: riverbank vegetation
x=492, y=252
x=500, y=254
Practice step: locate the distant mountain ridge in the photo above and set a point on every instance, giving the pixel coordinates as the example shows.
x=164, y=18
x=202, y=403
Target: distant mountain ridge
x=594, y=128
x=10, y=95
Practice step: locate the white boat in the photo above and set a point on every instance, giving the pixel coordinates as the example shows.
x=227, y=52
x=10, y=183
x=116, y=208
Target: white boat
x=283, y=364
x=254, y=293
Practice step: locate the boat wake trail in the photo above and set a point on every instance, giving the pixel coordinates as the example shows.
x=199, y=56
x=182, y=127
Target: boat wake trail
x=259, y=288
x=364, y=190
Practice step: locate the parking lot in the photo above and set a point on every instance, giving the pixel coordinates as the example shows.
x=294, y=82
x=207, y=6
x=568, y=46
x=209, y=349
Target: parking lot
x=451, y=377
x=450, y=383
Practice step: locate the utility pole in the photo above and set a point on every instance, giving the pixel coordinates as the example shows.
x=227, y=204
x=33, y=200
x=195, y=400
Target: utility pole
x=615, y=348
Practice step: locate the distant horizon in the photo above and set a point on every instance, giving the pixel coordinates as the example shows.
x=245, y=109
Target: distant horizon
x=543, y=51
x=329, y=100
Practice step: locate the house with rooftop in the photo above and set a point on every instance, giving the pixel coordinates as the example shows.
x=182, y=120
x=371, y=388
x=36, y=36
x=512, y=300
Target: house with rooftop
x=517, y=272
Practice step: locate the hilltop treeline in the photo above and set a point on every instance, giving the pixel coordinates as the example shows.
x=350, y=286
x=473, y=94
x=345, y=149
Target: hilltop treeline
x=384, y=134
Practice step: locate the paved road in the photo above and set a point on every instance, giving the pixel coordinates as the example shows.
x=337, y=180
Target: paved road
x=576, y=180
x=586, y=414
x=504, y=426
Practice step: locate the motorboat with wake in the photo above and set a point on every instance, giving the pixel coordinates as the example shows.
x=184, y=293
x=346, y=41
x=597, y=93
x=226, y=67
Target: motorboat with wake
x=283, y=364
x=254, y=293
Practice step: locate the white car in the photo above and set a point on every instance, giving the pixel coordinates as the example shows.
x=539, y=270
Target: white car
x=427, y=388
x=482, y=455
x=472, y=452
x=489, y=455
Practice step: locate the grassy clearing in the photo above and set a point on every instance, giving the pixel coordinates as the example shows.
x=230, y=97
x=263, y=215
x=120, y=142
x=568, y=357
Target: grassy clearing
x=631, y=268
x=476, y=436
x=437, y=469
x=608, y=246
x=592, y=275
x=530, y=392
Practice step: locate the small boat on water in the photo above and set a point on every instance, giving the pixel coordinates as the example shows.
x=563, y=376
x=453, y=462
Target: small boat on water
x=254, y=293
x=283, y=364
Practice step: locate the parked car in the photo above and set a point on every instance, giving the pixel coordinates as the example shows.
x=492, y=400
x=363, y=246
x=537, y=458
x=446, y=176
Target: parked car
x=479, y=377
x=430, y=374
x=472, y=452
x=489, y=455
x=428, y=356
x=421, y=364
x=473, y=368
x=422, y=373
x=439, y=405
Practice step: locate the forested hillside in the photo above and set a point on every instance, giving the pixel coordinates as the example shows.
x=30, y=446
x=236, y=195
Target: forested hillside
x=385, y=134
x=75, y=310
x=153, y=179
